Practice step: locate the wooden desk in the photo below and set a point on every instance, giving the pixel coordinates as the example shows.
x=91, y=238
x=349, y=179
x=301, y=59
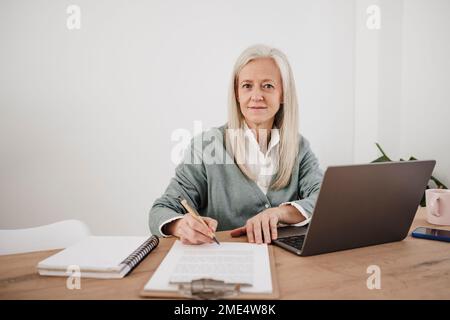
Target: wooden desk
x=410, y=269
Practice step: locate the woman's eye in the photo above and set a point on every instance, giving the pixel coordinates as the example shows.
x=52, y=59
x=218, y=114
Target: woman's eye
x=246, y=85
x=268, y=86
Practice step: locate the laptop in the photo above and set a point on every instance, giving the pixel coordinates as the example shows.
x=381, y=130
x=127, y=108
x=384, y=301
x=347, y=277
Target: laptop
x=360, y=205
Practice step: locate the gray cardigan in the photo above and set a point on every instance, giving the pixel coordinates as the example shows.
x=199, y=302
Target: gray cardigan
x=223, y=192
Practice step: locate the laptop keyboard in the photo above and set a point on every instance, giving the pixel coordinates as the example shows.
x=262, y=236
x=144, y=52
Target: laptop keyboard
x=294, y=241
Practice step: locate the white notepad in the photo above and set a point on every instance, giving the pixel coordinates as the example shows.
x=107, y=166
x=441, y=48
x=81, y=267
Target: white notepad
x=231, y=262
x=99, y=257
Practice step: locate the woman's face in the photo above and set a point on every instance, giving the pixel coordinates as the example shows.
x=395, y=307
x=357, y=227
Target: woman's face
x=260, y=92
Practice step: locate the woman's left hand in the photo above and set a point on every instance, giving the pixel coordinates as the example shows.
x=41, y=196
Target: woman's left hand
x=261, y=228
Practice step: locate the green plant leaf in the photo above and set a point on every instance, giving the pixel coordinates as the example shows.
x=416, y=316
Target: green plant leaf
x=385, y=158
x=439, y=184
x=381, y=159
x=382, y=152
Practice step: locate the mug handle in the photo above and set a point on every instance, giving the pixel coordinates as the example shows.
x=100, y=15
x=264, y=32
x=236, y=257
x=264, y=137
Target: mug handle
x=434, y=206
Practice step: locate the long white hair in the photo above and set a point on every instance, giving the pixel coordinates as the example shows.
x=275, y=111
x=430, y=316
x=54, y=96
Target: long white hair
x=286, y=119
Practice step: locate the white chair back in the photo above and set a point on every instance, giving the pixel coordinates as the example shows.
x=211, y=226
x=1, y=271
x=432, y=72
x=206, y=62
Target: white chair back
x=52, y=236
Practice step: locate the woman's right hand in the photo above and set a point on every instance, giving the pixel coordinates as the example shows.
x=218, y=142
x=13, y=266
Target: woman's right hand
x=191, y=231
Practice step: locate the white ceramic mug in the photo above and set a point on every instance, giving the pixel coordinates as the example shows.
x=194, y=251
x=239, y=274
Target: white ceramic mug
x=438, y=206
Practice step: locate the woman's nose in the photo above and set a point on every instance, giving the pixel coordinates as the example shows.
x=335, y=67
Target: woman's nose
x=257, y=97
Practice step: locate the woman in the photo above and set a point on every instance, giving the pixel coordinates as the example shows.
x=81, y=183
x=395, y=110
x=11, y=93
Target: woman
x=262, y=172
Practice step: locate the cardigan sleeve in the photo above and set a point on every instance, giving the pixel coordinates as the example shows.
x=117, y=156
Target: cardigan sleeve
x=189, y=182
x=310, y=178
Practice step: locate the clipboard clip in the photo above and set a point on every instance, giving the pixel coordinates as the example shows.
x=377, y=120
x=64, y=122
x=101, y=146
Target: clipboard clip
x=209, y=289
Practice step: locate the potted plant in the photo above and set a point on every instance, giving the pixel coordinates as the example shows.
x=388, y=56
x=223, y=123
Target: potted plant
x=438, y=184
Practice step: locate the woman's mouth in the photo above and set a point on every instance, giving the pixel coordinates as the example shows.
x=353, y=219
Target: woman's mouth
x=257, y=107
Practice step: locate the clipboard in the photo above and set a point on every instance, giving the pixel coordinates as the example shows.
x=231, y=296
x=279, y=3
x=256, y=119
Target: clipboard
x=217, y=290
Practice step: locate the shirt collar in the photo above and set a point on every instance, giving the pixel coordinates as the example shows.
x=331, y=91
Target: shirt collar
x=274, y=137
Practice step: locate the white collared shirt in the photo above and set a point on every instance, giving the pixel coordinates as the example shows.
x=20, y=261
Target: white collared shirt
x=266, y=165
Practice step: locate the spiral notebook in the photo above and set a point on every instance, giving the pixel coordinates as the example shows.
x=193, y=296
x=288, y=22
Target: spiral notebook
x=99, y=257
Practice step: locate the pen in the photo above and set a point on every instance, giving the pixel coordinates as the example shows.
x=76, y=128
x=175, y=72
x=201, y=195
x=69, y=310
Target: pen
x=197, y=217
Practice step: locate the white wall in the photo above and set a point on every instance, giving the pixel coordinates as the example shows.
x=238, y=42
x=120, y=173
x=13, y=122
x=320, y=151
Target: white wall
x=366, y=84
x=425, y=111
x=402, y=82
x=86, y=115
x=378, y=57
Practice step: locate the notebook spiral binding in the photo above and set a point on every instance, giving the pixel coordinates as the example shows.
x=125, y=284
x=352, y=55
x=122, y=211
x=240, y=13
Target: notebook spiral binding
x=141, y=252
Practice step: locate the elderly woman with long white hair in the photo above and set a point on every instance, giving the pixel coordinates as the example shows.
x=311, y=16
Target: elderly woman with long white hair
x=251, y=174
